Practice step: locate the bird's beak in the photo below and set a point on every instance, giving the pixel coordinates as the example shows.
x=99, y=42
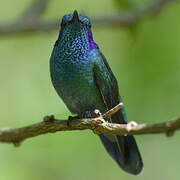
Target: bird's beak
x=75, y=17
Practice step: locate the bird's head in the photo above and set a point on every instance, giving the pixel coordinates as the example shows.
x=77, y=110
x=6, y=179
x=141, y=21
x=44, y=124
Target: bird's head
x=75, y=21
x=76, y=27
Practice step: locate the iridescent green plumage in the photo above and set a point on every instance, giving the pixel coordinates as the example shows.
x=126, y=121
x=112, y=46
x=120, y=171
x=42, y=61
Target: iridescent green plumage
x=85, y=82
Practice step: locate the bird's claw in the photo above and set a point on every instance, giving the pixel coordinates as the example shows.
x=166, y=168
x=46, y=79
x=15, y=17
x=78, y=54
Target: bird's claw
x=91, y=114
x=87, y=114
x=96, y=113
x=70, y=119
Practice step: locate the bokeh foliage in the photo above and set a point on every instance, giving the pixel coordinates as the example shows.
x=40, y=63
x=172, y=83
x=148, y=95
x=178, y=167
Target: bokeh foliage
x=146, y=64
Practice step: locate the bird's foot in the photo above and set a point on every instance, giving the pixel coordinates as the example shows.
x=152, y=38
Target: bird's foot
x=70, y=119
x=91, y=114
x=87, y=114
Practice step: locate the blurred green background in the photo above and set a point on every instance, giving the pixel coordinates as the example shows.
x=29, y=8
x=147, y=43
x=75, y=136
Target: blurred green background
x=146, y=62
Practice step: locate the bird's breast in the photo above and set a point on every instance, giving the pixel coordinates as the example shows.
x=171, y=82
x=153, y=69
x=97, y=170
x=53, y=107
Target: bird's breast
x=70, y=77
x=74, y=82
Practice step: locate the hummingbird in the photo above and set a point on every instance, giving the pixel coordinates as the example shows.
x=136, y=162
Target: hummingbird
x=84, y=81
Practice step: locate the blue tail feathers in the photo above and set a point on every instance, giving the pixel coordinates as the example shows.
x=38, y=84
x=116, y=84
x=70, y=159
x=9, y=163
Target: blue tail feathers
x=130, y=161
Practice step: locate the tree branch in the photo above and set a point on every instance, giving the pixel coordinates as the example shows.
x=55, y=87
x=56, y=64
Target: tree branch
x=31, y=22
x=133, y=17
x=97, y=124
x=34, y=12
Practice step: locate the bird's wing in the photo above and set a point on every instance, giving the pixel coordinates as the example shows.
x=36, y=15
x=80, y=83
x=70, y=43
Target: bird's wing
x=122, y=148
x=108, y=87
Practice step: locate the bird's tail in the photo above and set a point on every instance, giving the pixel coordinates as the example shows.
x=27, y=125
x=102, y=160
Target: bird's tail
x=124, y=150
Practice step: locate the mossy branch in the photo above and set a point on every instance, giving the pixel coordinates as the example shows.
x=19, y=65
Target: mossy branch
x=98, y=125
